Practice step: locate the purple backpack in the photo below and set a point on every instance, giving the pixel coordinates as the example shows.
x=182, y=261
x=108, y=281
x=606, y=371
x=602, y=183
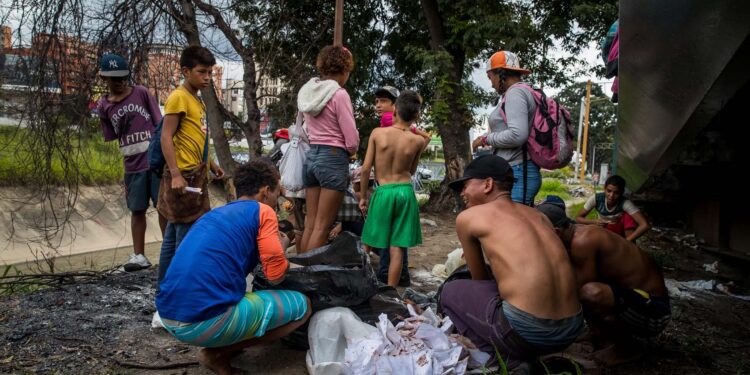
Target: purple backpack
x=550, y=143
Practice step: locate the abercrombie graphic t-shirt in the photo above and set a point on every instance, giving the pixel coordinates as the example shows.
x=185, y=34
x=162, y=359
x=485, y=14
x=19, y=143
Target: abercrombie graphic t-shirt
x=131, y=121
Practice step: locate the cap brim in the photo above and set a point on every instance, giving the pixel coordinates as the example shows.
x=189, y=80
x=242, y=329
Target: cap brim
x=458, y=185
x=384, y=93
x=115, y=73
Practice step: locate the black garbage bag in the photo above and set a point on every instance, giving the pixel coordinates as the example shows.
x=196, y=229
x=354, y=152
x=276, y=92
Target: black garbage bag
x=343, y=251
x=338, y=274
x=386, y=301
x=423, y=300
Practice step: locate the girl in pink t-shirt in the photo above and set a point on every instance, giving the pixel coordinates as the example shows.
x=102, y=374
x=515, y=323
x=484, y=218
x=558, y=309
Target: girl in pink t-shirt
x=329, y=118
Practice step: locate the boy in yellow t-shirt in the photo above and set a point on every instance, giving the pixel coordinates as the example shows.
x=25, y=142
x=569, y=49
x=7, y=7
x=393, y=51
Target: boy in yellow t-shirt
x=183, y=138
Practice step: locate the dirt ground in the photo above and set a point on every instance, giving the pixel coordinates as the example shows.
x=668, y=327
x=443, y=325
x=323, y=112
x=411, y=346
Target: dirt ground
x=103, y=327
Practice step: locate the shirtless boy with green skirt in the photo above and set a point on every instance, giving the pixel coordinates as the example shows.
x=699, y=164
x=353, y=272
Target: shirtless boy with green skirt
x=392, y=218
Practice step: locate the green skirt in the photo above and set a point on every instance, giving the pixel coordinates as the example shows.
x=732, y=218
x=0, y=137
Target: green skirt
x=392, y=217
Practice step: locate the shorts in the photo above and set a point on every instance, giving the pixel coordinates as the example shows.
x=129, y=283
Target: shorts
x=392, y=217
x=140, y=187
x=327, y=167
x=478, y=312
x=625, y=223
x=645, y=315
x=252, y=316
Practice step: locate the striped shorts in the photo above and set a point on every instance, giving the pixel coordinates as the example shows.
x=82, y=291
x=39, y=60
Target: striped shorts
x=252, y=316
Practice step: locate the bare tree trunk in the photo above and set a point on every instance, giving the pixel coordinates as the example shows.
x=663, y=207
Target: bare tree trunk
x=453, y=128
x=186, y=22
x=251, y=127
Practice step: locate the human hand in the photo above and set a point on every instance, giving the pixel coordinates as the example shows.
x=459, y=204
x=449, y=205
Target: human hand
x=179, y=183
x=218, y=172
x=363, y=206
x=335, y=231
x=477, y=143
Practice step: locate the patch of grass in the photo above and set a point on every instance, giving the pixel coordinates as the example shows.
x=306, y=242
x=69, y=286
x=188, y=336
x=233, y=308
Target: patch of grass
x=561, y=174
x=575, y=208
x=8, y=288
x=239, y=149
x=553, y=186
x=97, y=162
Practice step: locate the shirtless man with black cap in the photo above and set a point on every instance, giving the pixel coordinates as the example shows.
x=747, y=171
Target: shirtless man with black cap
x=527, y=304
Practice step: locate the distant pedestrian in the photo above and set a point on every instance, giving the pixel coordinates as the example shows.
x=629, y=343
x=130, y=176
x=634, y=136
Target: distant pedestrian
x=129, y=114
x=334, y=139
x=509, y=127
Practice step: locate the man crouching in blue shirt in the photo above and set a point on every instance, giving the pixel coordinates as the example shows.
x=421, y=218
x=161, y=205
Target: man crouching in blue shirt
x=203, y=299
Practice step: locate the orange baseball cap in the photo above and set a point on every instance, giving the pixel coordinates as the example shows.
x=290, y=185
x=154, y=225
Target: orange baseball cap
x=505, y=60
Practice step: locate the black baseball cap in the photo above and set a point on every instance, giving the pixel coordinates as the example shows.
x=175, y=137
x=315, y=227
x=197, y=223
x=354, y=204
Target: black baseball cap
x=486, y=166
x=554, y=208
x=387, y=92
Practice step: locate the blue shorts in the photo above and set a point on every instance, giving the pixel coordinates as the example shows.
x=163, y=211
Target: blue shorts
x=139, y=188
x=327, y=167
x=252, y=316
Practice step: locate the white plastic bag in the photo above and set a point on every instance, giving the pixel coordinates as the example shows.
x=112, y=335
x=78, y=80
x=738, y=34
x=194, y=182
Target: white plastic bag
x=330, y=332
x=293, y=161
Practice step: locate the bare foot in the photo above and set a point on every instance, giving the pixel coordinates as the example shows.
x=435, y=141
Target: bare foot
x=616, y=354
x=215, y=361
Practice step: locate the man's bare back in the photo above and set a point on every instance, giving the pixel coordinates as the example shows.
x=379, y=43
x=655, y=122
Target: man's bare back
x=600, y=255
x=527, y=258
x=395, y=153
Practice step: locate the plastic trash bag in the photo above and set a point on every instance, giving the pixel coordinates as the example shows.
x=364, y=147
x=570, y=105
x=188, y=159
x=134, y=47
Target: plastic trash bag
x=338, y=281
x=330, y=331
x=293, y=161
x=386, y=301
x=343, y=251
x=421, y=344
x=423, y=300
x=453, y=262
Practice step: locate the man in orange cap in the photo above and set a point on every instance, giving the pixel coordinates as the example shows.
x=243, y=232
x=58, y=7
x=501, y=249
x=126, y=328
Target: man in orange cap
x=510, y=123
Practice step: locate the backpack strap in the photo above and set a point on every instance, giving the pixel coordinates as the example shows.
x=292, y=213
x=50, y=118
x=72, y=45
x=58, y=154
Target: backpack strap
x=524, y=151
x=205, y=147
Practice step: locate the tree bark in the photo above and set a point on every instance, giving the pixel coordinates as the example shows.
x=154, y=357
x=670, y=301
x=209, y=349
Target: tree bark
x=186, y=22
x=453, y=129
x=251, y=127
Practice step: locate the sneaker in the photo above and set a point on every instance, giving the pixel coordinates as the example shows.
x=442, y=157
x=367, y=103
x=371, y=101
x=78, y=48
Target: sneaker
x=136, y=262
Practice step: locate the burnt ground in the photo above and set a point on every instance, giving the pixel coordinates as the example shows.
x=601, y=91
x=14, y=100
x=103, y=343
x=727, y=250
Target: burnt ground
x=103, y=326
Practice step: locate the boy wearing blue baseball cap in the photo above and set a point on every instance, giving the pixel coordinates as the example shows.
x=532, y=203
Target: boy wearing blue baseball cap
x=129, y=114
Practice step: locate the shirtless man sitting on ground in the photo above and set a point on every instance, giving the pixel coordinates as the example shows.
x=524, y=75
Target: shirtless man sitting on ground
x=531, y=307
x=621, y=289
